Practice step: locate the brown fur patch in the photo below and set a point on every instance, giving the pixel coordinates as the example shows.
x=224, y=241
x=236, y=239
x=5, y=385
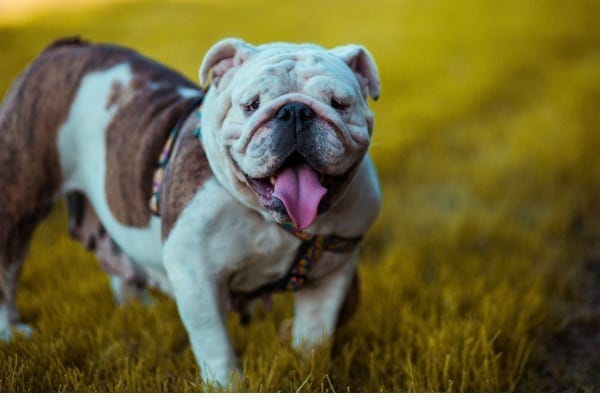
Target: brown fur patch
x=147, y=111
x=185, y=174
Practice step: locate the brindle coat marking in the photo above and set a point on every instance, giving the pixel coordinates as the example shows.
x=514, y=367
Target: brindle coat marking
x=26, y=194
x=186, y=172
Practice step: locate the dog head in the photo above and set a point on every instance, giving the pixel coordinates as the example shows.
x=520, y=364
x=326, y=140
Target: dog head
x=286, y=125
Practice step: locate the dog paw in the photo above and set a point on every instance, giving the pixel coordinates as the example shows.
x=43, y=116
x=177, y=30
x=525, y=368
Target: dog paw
x=124, y=292
x=230, y=381
x=23, y=329
x=7, y=334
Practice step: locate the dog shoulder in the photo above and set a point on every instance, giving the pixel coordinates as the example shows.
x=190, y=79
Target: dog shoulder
x=184, y=176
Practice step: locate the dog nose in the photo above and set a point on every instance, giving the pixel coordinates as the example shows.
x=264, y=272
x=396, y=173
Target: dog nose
x=295, y=114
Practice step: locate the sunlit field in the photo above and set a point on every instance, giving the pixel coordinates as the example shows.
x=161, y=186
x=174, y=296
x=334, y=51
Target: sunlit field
x=483, y=269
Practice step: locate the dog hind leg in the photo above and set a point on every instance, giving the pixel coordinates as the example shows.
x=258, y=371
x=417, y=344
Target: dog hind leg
x=127, y=281
x=31, y=115
x=15, y=235
x=29, y=186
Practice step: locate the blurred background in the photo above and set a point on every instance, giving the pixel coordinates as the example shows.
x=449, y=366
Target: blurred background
x=481, y=273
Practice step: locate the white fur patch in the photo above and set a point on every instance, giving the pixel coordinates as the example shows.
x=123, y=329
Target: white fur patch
x=216, y=231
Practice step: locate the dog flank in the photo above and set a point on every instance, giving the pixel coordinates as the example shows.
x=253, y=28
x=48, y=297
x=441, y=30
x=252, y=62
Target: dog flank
x=147, y=109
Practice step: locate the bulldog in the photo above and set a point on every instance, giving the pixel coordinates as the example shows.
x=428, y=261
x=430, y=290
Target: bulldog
x=256, y=181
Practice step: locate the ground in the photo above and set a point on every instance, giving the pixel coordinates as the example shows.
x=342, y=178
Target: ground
x=482, y=272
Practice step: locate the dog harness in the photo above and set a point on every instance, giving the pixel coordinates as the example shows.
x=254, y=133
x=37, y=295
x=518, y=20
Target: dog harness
x=165, y=154
x=311, y=249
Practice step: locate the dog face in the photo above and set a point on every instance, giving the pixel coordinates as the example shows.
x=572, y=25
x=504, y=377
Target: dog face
x=285, y=125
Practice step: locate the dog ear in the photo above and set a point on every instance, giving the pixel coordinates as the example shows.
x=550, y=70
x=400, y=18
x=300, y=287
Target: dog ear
x=223, y=56
x=363, y=65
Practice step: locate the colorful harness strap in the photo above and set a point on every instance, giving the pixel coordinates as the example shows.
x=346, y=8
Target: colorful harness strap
x=311, y=249
x=165, y=154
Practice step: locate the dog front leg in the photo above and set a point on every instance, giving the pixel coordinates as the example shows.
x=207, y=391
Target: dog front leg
x=198, y=295
x=317, y=306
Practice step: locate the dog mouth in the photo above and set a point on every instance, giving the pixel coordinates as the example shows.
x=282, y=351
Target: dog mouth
x=296, y=192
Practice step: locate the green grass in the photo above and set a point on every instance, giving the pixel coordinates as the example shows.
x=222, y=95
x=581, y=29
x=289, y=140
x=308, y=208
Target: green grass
x=486, y=140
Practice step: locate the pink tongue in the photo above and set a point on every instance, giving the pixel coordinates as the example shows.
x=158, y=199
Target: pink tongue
x=300, y=191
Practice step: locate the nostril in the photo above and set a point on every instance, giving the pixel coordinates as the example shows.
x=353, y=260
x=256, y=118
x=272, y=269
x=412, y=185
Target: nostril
x=306, y=113
x=284, y=114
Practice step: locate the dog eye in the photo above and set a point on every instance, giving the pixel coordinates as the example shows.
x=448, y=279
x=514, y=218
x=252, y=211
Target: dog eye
x=252, y=105
x=339, y=105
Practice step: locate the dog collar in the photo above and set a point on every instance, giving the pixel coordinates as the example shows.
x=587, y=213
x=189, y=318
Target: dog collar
x=165, y=154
